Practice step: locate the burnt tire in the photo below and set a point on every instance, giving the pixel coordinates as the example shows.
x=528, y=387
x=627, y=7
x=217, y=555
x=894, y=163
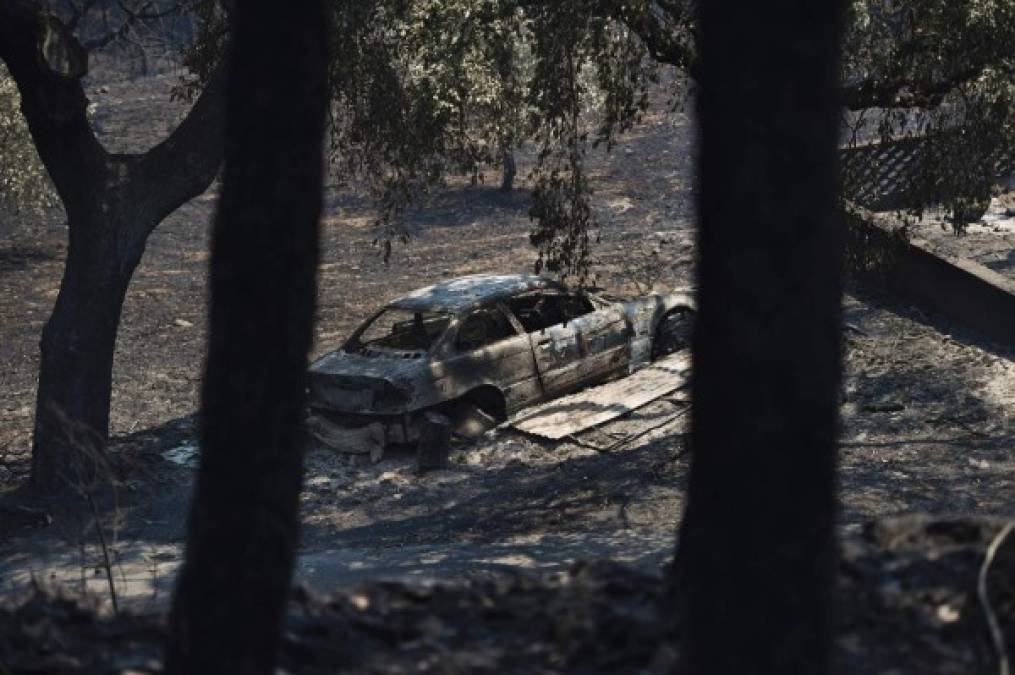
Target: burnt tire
x=673, y=333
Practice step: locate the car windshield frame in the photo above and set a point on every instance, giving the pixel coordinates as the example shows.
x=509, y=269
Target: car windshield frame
x=356, y=345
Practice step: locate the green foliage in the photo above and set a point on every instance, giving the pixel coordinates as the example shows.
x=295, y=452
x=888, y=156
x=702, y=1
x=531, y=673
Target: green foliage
x=476, y=79
x=205, y=53
x=413, y=98
x=942, y=70
x=589, y=72
x=24, y=183
x=425, y=88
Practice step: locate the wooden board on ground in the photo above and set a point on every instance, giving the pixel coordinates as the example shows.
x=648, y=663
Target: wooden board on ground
x=591, y=407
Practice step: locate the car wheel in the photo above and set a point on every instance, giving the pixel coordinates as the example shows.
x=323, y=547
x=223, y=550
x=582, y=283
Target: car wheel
x=673, y=333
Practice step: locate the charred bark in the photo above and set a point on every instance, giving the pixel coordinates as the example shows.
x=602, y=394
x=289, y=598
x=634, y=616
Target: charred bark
x=754, y=568
x=243, y=526
x=72, y=404
x=112, y=202
x=507, y=181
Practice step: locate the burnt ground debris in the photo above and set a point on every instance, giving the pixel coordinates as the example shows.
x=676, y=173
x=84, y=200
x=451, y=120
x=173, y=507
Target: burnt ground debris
x=907, y=605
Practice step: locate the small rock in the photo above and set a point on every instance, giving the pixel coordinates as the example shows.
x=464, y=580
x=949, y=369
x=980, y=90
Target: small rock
x=320, y=482
x=947, y=614
x=183, y=323
x=186, y=455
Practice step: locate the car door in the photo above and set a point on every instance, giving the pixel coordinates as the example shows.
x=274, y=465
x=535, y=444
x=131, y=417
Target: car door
x=489, y=349
x=555, y=344
x=604, y=341
x=558, y=357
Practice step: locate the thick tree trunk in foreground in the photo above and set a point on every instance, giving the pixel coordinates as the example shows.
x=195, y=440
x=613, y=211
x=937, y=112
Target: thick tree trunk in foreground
x=113, y=202
x=243, y=528
x=755, y=560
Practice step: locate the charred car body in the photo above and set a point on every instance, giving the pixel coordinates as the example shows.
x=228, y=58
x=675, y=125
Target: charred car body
x=477, y=349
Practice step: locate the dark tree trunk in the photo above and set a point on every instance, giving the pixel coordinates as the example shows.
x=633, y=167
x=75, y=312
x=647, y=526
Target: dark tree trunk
x=243, y=527
x=113, y=202
x=507, y=182
x=72, y=406
x=755, y=559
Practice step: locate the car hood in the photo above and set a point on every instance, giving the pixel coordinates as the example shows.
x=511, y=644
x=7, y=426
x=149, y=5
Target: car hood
x=348, y=382
x=389, y=368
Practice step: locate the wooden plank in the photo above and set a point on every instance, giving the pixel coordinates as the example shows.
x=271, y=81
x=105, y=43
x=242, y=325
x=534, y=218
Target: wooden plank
x=591, y=407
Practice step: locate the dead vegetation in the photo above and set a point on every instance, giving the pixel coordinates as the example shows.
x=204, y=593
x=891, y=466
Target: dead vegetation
x=907, y=590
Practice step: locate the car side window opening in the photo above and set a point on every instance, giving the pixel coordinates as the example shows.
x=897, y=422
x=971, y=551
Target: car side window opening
x=483, y=327
x=537, y=311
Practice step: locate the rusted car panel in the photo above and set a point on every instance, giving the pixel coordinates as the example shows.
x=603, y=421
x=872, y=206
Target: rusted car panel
x=496, y=343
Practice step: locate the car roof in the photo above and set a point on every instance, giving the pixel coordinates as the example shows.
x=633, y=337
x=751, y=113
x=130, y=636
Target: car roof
x=464, y=293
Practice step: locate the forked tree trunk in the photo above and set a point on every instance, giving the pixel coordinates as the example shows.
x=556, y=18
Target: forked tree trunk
x=755, y=560
x=113, y=202
x=243, y=529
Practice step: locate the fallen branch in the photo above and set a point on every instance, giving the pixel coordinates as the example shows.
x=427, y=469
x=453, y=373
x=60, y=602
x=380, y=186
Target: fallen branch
x=35, y=515
x=981, y=590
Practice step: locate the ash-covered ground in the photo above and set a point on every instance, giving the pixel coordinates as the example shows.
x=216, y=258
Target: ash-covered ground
x=927, y=407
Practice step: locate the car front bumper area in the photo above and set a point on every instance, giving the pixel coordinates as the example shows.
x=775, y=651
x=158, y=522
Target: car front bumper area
x=363, y=437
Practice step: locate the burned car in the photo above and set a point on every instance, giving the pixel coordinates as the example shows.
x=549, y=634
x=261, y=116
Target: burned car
x=474, y=350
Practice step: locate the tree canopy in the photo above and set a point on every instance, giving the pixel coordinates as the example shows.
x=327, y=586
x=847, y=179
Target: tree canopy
x=421, y=89
x=424, y=88
x=942, y=71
